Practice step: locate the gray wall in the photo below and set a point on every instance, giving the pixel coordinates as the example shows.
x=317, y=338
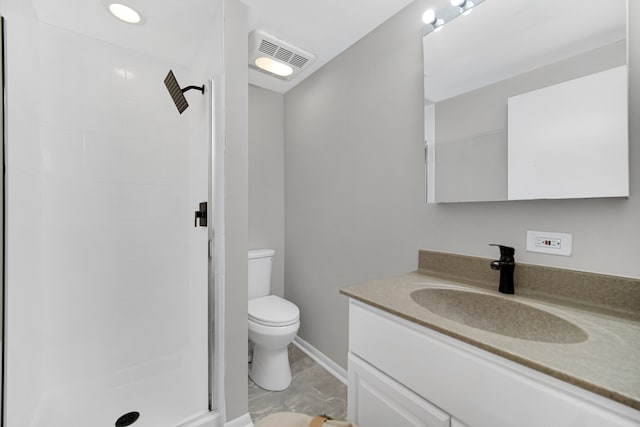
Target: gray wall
x=266, y=178
x=354, y=186
x=354, y=174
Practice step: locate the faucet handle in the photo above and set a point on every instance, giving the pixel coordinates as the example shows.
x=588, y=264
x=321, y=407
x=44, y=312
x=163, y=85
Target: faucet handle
x=506, y=252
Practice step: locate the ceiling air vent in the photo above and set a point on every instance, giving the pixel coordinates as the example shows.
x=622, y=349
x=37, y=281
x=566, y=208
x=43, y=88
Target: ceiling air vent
x=263, y=45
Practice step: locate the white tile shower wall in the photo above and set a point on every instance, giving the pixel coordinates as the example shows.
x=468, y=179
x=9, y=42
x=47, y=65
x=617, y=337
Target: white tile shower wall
x=114, y=165
x=98, y=203
x=23, y=230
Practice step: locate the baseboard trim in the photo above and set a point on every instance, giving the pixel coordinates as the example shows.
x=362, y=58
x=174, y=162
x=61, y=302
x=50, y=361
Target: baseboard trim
x=242, y=421
x=210, y=419
x=321, y=359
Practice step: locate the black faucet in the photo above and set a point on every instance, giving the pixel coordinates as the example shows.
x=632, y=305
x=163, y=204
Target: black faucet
x=506, y=264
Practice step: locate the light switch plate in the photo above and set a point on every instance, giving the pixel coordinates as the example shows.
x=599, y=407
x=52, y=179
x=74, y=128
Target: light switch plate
x=550, y=242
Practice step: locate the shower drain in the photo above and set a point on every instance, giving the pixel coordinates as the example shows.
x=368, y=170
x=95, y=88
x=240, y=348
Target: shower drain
x=127, y=419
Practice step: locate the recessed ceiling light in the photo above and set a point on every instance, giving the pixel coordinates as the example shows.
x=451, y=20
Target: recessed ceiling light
x=274, y=67
x=125, y=13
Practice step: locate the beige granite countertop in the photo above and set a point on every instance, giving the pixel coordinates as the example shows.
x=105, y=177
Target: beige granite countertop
x=606, y=363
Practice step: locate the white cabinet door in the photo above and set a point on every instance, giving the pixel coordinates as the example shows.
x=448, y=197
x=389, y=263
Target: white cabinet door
x=375, y=400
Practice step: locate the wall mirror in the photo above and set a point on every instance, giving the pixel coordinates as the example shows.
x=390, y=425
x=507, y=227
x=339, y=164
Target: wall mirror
x=527, y=99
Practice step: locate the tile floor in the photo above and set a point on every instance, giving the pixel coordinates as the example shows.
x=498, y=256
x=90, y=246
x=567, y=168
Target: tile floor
x=313, y=391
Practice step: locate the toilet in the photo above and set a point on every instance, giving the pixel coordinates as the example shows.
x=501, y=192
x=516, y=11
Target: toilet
x=273, y=323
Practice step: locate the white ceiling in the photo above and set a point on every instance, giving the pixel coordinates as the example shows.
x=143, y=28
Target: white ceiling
x=324, y=28
x=174, y=29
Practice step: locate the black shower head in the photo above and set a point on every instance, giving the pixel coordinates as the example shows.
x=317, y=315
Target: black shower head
x=176, y=93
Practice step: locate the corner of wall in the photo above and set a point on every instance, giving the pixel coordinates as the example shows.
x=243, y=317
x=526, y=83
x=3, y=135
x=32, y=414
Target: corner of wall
x=235, y=99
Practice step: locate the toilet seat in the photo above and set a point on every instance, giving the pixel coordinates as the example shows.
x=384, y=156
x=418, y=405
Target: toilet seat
x=272, y=310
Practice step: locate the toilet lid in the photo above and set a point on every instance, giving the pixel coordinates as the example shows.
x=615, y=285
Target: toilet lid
x=273, y=311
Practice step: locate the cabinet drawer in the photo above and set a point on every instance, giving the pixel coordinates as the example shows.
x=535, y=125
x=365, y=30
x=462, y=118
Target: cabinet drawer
x=375, y=400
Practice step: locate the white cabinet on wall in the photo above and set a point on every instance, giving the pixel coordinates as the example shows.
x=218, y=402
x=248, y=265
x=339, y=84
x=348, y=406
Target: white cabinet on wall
x=402, y=374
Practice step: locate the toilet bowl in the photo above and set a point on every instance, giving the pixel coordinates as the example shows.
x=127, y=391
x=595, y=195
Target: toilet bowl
x=273, y=323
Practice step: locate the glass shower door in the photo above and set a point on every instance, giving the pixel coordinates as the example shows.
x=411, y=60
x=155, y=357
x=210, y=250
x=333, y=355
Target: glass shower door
x=107, y=293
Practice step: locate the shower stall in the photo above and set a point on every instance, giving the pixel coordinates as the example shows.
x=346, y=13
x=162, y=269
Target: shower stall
x=107, y=314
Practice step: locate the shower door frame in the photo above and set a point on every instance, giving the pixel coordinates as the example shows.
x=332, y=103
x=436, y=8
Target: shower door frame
x=215, y=277
x=2, y=215
x=216, y=245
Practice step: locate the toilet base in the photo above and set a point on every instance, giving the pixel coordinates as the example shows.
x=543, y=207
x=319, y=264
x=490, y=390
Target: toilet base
x=270, y=368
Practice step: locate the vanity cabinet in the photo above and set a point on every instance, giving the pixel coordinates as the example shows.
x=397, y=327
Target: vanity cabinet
x=403, y=374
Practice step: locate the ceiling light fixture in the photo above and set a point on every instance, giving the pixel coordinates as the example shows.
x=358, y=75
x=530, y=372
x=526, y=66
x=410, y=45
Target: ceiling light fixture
x=464, y=5
x=468, y=7
x=429, y=17
x=273, y=66
x=125, y=13
x=276, y=58
x=435, y=19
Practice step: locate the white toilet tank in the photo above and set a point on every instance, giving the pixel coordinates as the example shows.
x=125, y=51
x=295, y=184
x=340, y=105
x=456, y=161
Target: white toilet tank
x=260, y=261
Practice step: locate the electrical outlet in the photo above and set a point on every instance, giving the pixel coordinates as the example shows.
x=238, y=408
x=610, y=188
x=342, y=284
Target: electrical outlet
x=549, y=242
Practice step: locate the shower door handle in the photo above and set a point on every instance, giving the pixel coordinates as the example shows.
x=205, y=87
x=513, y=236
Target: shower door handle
x=201, y=215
